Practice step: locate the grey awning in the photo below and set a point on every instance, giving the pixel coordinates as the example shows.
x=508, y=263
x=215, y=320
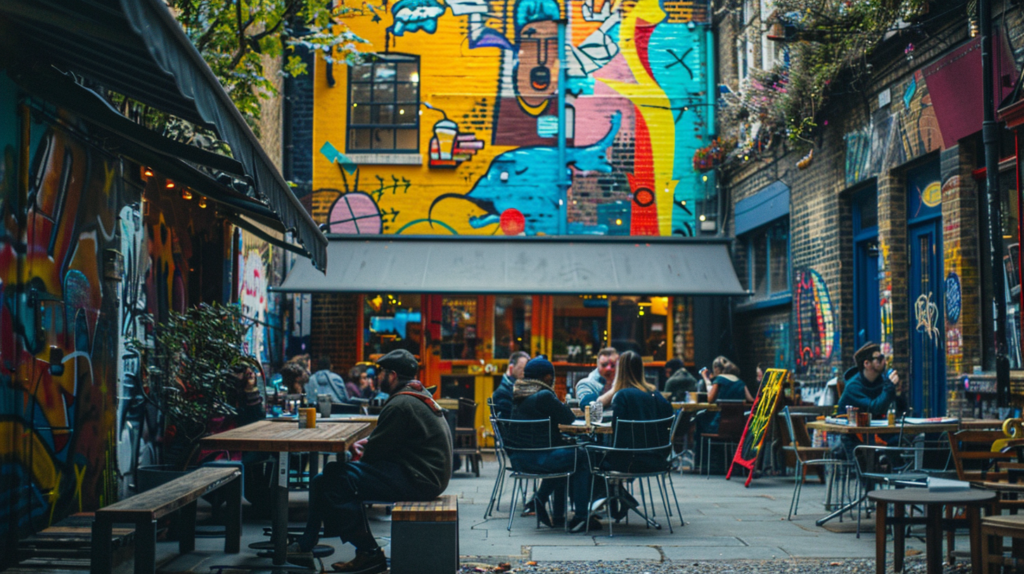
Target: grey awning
x=534, y=265
x=136, y=48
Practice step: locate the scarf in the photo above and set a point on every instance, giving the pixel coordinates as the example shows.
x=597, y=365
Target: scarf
x=527, y=387
x=427, y=400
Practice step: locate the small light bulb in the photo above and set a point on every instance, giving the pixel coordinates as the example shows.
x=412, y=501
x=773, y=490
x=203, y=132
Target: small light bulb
x=414, y=77
x=186, y=193
x=401, y=112
x=702, y=218
x=705, y=178
x=147, y=172
x=202, y=202
x=169, y=184
x=618, y=222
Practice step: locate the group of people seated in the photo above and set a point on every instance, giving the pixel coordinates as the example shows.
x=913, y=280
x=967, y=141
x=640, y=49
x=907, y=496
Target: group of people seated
x=618, y=385
x=361, y=385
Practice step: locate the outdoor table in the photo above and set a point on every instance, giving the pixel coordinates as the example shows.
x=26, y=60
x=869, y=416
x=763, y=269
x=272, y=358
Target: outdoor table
x=600, y=428
x=694, y=407
x=933, y=503
x=907, y=428
x=370, y=419
x=981, y=424
x=270, y=436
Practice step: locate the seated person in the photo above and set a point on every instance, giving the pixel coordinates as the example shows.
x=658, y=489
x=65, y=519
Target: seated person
x=869, y=389
x=599, y=380
x=533, y=398
x=408, y=456
x=501, y=400
x=679, y=381
x=326, y=382
x=726, y=385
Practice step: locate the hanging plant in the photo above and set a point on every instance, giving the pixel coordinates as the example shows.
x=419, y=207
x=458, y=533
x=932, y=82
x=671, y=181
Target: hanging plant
x=712, y=155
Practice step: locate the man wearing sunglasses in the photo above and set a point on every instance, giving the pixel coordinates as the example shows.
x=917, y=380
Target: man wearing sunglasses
x=871, y=390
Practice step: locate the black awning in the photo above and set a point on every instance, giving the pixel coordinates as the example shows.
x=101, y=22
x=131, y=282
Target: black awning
x=527, y=265
x=137, y=48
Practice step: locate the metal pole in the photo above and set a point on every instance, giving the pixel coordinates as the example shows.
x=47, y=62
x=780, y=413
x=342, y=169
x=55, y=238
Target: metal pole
x=990, y=138
x=563, y=175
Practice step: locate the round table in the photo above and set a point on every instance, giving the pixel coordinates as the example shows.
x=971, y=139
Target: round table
x=933, y=502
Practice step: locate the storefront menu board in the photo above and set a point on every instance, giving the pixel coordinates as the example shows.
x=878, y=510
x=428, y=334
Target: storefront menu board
x=765, y=405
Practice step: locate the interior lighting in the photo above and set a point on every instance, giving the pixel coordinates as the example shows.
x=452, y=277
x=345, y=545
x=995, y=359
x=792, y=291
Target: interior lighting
x=169, y=184
x=147, y=172
x=202, y=202
x=414, y=77
x=186, y=193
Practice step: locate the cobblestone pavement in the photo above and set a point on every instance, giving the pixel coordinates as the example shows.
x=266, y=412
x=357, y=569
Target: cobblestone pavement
x=731, y=567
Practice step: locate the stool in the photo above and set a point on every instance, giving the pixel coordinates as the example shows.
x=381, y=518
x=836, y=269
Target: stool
x=999, y=527
x=933, y=502
x=421, y=529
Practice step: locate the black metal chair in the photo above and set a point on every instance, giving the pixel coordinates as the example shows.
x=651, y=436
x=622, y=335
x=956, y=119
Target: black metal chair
x=640, y=450
x=520, y=439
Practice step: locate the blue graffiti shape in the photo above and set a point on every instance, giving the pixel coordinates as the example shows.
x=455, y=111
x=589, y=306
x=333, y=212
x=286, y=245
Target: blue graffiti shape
x=416, y=15
x=526, y=179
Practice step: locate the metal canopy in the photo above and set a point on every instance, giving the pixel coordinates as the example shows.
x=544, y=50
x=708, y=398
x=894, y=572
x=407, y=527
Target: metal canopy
x=136, y=48
x=534, y=265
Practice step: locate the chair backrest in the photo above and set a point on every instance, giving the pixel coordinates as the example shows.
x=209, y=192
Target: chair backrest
x=490, y=408
x=733, y=419
x=653, y=434
x=973, y=456
x=519, y=435
x=467, y=413
x=788, y=422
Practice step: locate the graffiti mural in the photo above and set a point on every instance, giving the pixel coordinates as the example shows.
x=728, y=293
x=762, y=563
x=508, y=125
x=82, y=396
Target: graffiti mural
x=637, y=108
x=259, y=267
x=817, y=335
x=57, y=353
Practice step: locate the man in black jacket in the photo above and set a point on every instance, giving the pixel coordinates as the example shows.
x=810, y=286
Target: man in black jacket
x=408, y=456
x=871, y=390
x=502, y=397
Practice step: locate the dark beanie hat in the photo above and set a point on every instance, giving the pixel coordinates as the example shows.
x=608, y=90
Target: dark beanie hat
x=865, y=353
x=402, y=362
x=674, y=364
x=537, y=368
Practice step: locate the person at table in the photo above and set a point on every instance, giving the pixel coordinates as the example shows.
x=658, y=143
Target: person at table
x=869, y=389
x=679, y=381
x=294, y=379
x=723, y=383
x=599, y=381
x=408, y=456
x=326, y=382
x=502, y=397
x=533, y=398
x=356, y=382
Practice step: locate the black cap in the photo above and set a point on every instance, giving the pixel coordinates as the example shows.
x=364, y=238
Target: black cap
x=402, y=362
x=537, y=368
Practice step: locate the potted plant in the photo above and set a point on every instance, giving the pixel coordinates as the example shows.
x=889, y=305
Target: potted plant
x=188, y=363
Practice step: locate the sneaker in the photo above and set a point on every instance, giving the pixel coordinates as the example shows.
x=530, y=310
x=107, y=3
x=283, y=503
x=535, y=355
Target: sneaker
x=597, y=504
x=372, y=562
x=577, y=524
x=542, y=515
x=529, y=509
x=299, y=557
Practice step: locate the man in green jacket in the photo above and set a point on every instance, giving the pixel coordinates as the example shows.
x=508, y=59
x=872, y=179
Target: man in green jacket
x=408, y=456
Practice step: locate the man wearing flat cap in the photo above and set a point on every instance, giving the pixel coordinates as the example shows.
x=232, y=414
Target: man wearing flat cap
x=408, y=456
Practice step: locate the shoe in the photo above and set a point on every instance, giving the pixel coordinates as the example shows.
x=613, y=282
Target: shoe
x=578, y=522
x=618, y=510
x=299, y=557
x=372, y=562
x=597, y=504
x=542, y=515
x=529, y=509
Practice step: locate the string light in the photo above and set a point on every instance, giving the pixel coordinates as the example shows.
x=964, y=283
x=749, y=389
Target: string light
x=202, y=202
x=147, y=172
x=169, y=184
x=186, y=194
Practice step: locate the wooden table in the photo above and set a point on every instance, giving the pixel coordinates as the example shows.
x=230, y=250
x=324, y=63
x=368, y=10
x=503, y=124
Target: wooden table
x=369, y=419
x=694, y=407
x=981, y=424
x=933, y=502
x=581, y=429
x=270, y=436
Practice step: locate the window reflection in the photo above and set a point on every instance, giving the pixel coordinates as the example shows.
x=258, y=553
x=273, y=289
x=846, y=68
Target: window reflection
x=580, y=328
x=512, y=316
x=391, y=322
x=458, y=328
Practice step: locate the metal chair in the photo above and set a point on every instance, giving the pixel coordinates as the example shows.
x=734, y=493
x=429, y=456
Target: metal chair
x=635, y=446
x=730, y=429
x=813, y=457
x=521, y=440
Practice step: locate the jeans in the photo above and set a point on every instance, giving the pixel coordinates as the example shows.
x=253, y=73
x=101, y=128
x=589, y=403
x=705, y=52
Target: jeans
x=561, y=460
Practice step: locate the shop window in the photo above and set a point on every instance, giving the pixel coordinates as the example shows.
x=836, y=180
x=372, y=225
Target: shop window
x=383, y=104
x=580, y=328
x=1011, y=248
x=768, y=261
x=458, y=328
x=640, y=324
x=512, y=316
x=391, y=322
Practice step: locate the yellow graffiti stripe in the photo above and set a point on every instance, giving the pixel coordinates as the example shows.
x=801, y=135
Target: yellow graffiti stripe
x=28, y=449
x=766, y=405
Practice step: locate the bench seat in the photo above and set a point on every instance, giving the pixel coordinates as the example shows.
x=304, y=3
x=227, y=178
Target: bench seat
x=425, y=528
x=994, y=529
x=179, y=495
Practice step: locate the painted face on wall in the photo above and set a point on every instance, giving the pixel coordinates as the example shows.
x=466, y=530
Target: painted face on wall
x=536, y=71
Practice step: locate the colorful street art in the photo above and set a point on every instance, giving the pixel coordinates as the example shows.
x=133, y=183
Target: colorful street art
x=637, y=108
x=259, y=267
x=817, y=335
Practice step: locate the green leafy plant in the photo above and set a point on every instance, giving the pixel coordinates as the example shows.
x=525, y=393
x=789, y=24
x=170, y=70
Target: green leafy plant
x=186, y=375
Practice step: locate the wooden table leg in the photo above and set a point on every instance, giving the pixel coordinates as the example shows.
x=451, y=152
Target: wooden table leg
x=880, y=536
x=899, y=543
x=933, y=538
x=974, y=520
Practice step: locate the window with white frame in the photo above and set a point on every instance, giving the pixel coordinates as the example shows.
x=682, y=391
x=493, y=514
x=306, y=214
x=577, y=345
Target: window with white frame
x=383, y=104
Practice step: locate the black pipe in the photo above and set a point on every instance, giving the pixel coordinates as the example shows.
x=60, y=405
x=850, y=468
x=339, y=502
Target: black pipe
x=990, y=138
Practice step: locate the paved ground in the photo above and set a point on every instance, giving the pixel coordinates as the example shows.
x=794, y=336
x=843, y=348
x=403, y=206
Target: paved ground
x=728, y=528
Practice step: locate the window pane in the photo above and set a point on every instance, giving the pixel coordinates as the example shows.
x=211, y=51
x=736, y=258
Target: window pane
x=385, y=114
x=383, y=93
x=760, y=263
x=458, y=328
x=361, y=114
x=406, y=140
x=512, y=317
x=408, y=72
x=391, y=322
x=359, y=139
x=639, y=325
x=383, y=139
x=407, y=93
x=580, y=328
x=360, y=94
x=406, y=115
x=362, y=73
x=384, y=72
x=779, y=238
x=868, y=207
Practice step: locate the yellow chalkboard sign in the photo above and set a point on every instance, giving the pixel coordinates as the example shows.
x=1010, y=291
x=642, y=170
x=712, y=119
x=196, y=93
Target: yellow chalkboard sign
x=765, y=405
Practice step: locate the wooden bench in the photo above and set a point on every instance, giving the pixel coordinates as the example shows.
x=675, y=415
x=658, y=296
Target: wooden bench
x=994, y=529
x=422, y=529
x=144, y=509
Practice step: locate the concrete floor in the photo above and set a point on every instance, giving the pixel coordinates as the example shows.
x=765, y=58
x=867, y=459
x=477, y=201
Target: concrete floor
x=724, y=521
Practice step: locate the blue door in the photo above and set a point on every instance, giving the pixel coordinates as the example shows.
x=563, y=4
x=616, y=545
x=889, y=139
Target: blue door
x=926, y=291
x=867, y=312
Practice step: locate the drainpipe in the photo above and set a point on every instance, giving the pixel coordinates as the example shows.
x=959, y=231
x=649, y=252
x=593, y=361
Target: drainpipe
x=562, y=171
x=990, y=137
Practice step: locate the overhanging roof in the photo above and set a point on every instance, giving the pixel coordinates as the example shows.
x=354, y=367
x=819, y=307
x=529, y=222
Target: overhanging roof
x=534, y=265
x=137, y=48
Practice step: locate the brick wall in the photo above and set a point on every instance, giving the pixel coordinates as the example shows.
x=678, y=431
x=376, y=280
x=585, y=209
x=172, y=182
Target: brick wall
x=334, y=325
